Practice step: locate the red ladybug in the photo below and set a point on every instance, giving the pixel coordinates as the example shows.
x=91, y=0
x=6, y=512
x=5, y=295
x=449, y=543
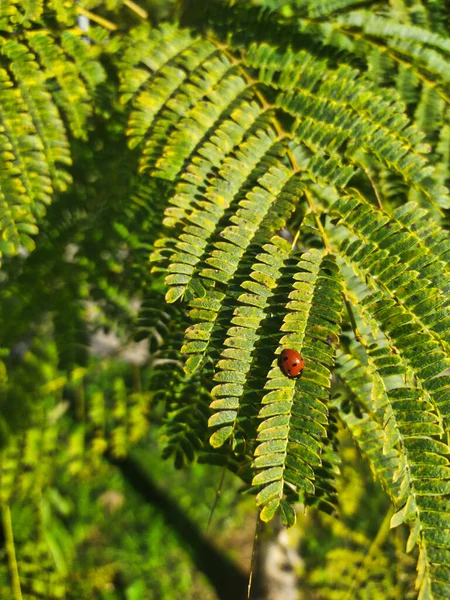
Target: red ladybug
x=291, y=363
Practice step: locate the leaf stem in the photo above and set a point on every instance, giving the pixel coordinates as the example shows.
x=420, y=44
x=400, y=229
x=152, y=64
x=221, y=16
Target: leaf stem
x=217, y=497
x=320, y=227
x=351, y=315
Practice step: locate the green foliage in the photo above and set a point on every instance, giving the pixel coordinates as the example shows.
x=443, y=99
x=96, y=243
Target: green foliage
x=287, y=169
x=48, y=78
x=234, y=142
x=356, y=555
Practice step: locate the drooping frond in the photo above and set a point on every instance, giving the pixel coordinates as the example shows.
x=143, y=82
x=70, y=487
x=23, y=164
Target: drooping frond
x=294, y=416
x=413, y=421
x=423, y=472
x=47, y=81
x=410, y=305
x=366, y=430
x=400, y=435
x=258, y=140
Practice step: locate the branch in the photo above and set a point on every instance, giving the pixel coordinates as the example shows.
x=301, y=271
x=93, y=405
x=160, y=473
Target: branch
x=225, y=576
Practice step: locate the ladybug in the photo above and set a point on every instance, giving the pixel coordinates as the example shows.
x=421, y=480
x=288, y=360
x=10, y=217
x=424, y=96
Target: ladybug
x=291, y=363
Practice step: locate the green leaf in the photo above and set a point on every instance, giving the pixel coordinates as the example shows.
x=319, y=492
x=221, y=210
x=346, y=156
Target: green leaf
x=174, y=294
x=269, y=510
x=288, y=515
x=219, y=437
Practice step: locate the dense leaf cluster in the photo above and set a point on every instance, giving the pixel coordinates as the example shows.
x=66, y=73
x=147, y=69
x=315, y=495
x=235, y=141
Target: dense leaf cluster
x=286, y=165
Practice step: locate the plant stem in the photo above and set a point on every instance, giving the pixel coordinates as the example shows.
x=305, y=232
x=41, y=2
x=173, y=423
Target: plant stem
x=11, y=551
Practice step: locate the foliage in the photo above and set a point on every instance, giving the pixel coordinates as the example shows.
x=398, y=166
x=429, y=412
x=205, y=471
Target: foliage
x=286, y=164
x=355, y=555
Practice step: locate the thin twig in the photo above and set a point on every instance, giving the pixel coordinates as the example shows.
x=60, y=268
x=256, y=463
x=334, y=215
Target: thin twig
x=100, y=20
x=216, y=499
x=295, y=240
x=372, y=183
x=254, y=551
x=136, y=8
